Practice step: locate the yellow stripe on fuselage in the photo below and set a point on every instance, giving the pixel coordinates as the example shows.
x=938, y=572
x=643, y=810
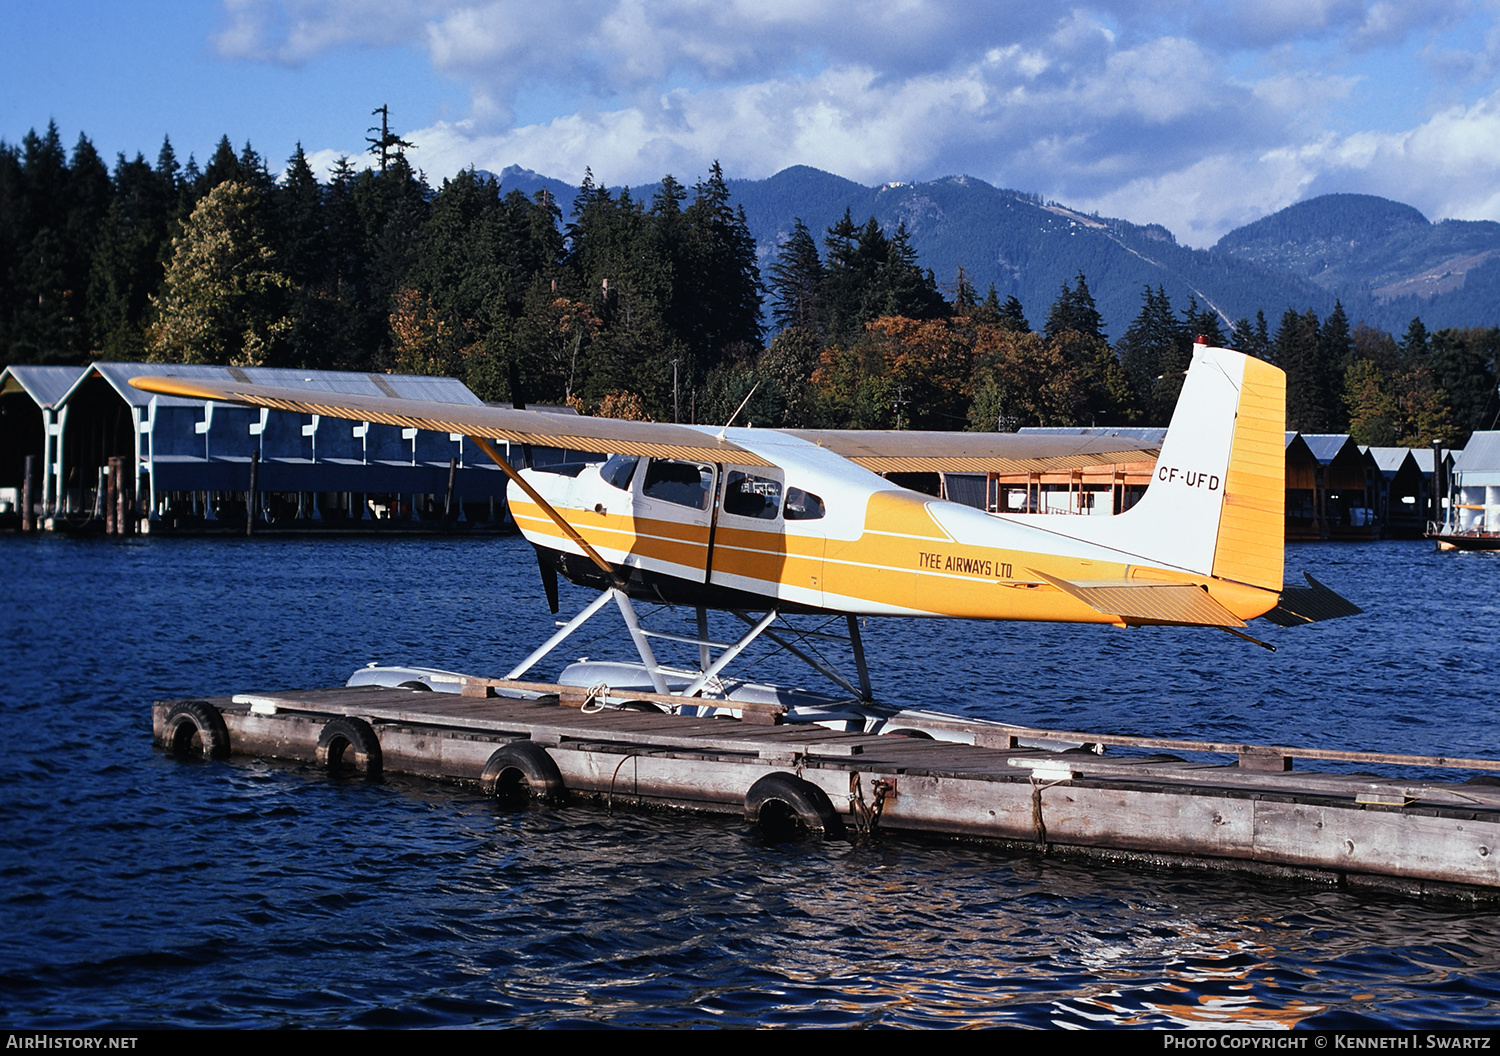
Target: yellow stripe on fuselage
x=902, y=562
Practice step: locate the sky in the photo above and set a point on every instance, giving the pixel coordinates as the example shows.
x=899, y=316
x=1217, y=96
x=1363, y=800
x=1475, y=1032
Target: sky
x=1199, y=116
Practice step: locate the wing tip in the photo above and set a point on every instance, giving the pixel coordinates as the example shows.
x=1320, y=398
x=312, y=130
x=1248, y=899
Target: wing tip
x=164, y=385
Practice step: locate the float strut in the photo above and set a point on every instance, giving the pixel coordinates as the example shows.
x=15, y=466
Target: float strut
x=729, y=654
x=562, y=633
x=858, y=645
x=642, y=645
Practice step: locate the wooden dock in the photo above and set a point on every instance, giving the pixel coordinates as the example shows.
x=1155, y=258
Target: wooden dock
x=1256, y=814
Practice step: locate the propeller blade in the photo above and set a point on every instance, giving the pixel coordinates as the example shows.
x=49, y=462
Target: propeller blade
x=549, y=580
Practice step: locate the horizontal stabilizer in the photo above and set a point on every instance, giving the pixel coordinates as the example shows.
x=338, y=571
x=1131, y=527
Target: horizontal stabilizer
x=1135, y=602
x=1310, y=604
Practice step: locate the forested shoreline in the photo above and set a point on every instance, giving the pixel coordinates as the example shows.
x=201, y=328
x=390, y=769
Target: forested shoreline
x=633, y=308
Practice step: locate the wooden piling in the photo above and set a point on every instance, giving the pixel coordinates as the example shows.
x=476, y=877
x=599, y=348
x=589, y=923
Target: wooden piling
x=28, y=496
x=252, y=493
x=448, y=498
x=112, y=496
x=125, y=496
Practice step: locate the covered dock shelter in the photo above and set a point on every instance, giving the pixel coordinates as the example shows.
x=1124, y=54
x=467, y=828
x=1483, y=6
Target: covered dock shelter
x=30, y=425
x=191, y=461
x=1328, y=488
x=1402, y=489
x=1476, y=484
x=1105, y=487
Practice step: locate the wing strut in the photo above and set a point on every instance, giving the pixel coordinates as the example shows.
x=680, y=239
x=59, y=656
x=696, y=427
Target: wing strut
x=546, y=507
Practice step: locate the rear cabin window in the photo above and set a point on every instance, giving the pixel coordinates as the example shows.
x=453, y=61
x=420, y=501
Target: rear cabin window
x=681, y=483
x=618, y=471
x=746, y=495
x=803, y=505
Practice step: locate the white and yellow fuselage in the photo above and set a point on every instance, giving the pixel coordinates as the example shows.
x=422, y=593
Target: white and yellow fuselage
x=811, y=530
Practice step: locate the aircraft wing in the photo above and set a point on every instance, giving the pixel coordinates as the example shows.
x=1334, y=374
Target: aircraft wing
x=960, y=452
x=574, y=432
x=880, y=452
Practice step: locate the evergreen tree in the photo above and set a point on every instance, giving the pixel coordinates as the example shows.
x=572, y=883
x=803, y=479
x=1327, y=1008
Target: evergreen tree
x=223, y=167
x=965, y=299
x=717, y=300
x=1463, y=365
x=1335, y=355
x=901, y=287
x=55, y=213
x=1252, y=339
x=1012, y=317
x=1297, y=352
x=1414, y=344
x=128, y=258
x=797, y=278
x=1202, y=323
x=847, y=271
x=626, y=284
x=1154, y=355
x=1074, y=311
x=300, y=227
x=1075, y=330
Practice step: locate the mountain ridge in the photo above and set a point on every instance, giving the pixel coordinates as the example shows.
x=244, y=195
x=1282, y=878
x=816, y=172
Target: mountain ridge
x=1383, y=260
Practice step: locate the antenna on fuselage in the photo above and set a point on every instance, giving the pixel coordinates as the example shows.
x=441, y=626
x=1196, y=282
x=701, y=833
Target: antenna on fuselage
x=737, y=411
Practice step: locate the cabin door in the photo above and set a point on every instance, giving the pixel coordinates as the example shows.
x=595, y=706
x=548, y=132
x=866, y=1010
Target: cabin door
x=673, y=518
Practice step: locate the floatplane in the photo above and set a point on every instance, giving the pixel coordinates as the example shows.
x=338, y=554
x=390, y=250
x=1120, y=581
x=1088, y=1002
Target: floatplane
x=768, y=524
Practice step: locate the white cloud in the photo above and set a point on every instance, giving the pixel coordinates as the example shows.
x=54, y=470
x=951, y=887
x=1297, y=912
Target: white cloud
x=1124, y=106
x=297, y=31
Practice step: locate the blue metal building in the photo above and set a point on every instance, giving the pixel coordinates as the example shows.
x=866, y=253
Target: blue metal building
x=190, y=460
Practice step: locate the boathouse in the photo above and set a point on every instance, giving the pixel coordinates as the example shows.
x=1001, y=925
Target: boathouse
x=190, y=462
x=1402, y=489
x=30, y=398
x=1476, y=483
x=1328, y=488
x=1104, y=488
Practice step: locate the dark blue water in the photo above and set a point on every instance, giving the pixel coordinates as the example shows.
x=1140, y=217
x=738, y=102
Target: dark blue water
x=141, y=890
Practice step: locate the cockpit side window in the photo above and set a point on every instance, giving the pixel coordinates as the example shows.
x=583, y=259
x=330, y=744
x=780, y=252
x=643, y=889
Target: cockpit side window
x=803, y=505
x=681, y=483
x=747, y=495
x=618, y=471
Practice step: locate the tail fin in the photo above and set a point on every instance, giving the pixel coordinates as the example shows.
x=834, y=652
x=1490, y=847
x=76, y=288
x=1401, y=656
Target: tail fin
x=1216, y=502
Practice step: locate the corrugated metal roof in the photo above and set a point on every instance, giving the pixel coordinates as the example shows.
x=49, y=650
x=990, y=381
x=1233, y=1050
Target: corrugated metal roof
x=1325, y=446
x=46, y=385
x=402, y=386
x=1389, y=459
x=1482, y=455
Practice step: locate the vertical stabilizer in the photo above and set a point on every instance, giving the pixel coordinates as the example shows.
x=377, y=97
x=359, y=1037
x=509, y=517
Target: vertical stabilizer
x=1217, y=495
x=1252, y=527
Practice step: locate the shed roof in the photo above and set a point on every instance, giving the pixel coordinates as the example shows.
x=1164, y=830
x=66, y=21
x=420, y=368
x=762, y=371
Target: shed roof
x=46, y=385
x=1479, y=462
x=1325, y=447
x=1389, y=459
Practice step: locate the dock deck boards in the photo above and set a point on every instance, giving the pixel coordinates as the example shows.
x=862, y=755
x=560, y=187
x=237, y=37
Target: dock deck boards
x=1414, y=833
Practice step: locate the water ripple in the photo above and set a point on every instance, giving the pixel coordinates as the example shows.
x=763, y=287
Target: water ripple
x=141, y=890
